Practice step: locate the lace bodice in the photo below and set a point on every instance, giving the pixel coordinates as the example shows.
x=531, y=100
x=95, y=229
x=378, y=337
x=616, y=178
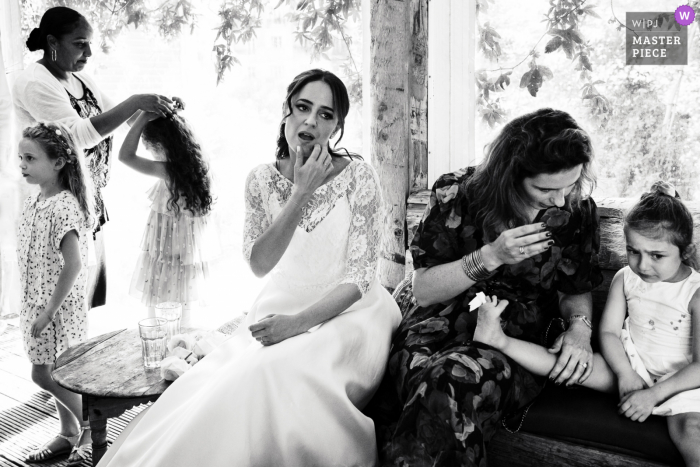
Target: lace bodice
x=341, y=250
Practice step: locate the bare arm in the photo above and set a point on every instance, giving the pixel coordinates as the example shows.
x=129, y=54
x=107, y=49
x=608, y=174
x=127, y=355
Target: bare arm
x=442, y=282
x=688, y=377
x=70, y=250
x=275, y=328
x=610, y=326
x=271, y=245
x=127, y=153
x=108, y=121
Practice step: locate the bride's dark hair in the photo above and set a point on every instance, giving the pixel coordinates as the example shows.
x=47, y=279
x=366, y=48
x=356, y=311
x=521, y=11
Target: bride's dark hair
x=341, y=104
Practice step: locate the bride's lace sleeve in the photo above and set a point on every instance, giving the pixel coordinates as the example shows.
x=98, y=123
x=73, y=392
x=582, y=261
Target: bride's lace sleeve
x=363, y=243
x=256, y=220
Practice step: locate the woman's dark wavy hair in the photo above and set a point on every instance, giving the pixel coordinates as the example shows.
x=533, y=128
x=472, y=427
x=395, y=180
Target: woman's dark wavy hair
x=341, y=105
x=542, y=142
x=188, y=172
x=660, y=214
x=57, y=21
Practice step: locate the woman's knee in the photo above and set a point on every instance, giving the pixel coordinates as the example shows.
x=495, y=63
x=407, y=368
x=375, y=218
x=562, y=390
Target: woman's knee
x=683, y=427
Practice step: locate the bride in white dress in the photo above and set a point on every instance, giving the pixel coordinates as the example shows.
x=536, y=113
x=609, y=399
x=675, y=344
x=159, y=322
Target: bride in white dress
x=288, y=387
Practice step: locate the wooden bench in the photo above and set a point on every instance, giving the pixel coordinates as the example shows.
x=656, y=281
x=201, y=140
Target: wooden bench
x=578, y=427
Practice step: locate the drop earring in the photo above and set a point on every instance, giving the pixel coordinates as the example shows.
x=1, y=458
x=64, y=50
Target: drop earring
x=53, y=55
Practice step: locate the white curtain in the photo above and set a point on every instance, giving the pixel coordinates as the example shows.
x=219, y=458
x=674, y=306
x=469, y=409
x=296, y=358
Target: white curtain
x=11, y=185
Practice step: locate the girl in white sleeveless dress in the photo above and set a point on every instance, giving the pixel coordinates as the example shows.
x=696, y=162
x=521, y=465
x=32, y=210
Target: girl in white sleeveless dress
x=288, y=387
x=650, y=328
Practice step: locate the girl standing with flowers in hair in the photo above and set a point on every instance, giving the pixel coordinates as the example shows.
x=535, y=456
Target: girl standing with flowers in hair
x=650, y=328
x=172, y=266
x=52, y=250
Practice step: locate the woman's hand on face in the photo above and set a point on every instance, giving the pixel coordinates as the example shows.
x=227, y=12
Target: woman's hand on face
x=515, y=245
x=155, y=103
x=273, y=329
x=310, y=174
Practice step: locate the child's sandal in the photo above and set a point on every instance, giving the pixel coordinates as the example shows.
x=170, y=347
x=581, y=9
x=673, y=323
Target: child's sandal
x=80, y=452
x=43, y=453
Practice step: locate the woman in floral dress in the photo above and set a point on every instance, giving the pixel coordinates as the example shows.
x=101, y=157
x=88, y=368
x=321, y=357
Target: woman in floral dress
x=519, y=226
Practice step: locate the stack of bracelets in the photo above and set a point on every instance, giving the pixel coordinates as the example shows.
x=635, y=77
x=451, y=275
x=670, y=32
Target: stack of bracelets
x=473, y=266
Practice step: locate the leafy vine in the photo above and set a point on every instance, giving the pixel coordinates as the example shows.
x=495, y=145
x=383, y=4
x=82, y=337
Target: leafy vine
x=320, y=25
x=562, y=24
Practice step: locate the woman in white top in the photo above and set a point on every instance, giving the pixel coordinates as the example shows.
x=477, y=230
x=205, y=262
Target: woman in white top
x=53, y=89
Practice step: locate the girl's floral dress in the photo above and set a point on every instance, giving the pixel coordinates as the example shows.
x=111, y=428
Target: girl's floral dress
x=443, y=396
x=42, y=228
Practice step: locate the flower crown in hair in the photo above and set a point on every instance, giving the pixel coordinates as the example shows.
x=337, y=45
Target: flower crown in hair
x=63, y=141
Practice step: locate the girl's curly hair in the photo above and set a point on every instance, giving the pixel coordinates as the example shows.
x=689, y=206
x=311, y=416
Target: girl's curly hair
x=188, y=172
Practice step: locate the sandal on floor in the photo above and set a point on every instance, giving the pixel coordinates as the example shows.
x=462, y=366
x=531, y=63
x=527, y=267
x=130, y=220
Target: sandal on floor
x=43, y=453
x=80, y=452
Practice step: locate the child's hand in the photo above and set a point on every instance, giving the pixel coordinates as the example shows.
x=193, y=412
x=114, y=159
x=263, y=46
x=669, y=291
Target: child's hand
x=630, y=382
x=40, y=323
x=637, y=405
x=273, y=329
x=492, y=304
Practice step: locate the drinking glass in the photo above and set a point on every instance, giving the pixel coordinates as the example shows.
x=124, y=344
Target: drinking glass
x=154, y=335
x=171, y=312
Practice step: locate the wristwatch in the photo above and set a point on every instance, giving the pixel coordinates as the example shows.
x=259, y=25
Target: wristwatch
x=583, y=318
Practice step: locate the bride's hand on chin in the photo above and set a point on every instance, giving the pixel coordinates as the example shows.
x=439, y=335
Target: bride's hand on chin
x=273, y=329
x=310, y=174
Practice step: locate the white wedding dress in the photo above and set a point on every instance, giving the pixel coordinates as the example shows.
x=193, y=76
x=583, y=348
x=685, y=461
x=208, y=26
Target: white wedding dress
x=296, y=403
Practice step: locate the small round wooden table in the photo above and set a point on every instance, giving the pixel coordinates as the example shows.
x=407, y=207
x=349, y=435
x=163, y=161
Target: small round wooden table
x=108, y=372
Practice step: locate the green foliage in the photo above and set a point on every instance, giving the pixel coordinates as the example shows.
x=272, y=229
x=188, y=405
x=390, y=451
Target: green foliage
x=562, y=24
x=320, y=24
x=110, y=17
x=641, y=145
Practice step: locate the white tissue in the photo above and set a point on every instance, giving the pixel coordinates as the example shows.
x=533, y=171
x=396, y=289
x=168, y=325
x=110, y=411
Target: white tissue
x=181, y=340
x=477, y=301
x=171, y=368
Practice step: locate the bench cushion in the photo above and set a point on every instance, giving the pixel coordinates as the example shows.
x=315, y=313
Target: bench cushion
x=590, y=418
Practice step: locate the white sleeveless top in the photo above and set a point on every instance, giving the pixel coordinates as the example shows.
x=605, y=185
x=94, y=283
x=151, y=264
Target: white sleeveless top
x=660, y=321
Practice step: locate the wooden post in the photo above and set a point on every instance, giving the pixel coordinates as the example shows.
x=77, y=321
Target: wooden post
x=418, y=78
x=397, y=115
x=389, y=102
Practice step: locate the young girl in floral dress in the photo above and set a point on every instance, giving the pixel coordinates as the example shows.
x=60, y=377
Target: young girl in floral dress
x=172, y=266
x=649, y=331
x=52, y=250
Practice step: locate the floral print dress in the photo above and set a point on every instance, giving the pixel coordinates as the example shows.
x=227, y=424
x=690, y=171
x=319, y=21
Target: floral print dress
x=443, y=396
x=97, y=158
x=42, y=228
